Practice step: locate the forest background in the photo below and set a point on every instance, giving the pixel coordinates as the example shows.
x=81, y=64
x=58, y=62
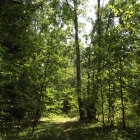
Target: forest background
x=51, y=63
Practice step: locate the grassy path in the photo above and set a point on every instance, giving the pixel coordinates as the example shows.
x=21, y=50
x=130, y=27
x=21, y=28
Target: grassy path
x=62, y=128
x=65, y=131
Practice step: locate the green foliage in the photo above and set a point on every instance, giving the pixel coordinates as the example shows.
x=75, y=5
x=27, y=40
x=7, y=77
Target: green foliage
x=38, y=67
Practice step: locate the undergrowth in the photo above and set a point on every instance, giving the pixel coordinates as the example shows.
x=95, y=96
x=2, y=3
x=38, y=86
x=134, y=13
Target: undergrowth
x=56, y=127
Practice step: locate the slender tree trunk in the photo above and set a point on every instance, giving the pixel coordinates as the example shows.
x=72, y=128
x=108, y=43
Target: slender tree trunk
x=99, y=24
x=122, y=96
x=121, y=81
x=102, y=102
x=40, y=97
x=89, y=61
x=100, y=59
x=78, y=63
x=110, y=95
x=88, y=110
x=110, y=99
x=112, y=105
x=90, y=107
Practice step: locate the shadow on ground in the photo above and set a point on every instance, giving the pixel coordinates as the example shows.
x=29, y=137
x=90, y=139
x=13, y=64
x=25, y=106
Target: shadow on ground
x=88, y=131
x=44, y=131
x=68, y=130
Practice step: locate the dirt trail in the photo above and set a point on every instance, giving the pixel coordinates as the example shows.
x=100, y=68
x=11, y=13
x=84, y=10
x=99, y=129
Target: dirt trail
x=65, y=131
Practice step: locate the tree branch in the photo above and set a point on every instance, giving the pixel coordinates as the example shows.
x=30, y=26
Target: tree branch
x=70, y=7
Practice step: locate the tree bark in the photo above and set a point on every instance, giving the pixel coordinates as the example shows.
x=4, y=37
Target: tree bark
x=100, y=59
x=90, y=107
x=78, y=63
x=122, y=96
x=110, y=99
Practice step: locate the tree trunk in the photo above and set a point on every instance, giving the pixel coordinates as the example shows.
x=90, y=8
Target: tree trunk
x=102, y=102
x=110, y=99
x=78, y=61
x=100, y=60
x=90, y=108
x=122, y=98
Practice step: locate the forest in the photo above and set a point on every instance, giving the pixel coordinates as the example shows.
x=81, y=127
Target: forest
x=60, y=80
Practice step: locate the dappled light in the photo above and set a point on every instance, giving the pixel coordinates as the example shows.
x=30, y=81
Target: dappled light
x=64, y=128
x=69, y=70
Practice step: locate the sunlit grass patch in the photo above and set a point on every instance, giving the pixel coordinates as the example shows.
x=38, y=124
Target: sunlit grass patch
x=59, y=118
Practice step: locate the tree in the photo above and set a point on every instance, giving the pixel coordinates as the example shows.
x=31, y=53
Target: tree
x=74, y=9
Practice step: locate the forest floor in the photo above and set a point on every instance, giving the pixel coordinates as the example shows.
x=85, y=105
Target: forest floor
x=64, y=128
